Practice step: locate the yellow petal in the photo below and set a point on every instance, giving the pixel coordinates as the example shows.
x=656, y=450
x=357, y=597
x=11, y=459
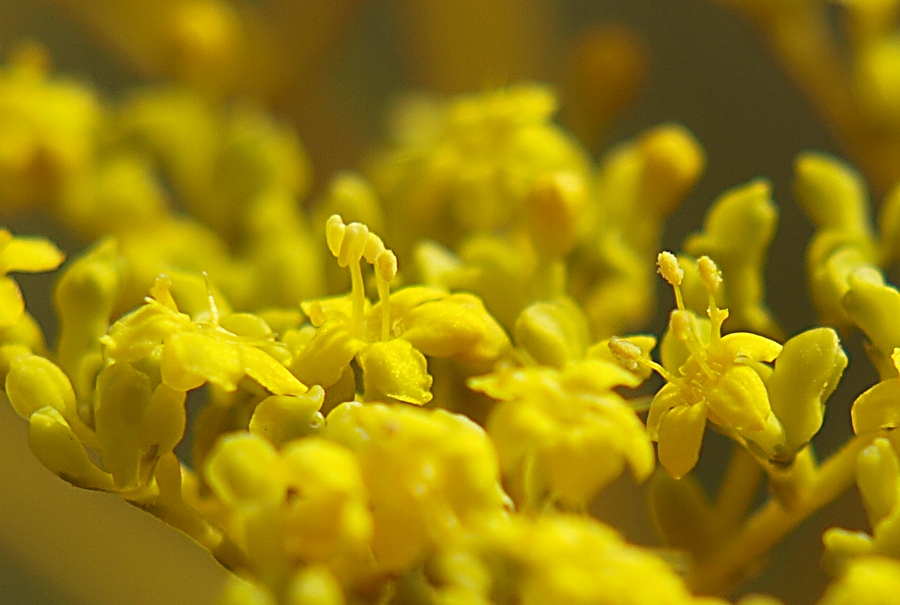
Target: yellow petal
x=327, y=355
x=12, y=307
x=680, y=438
x=458, y=327
x=666, y=398
x=395, y=369
x=267, y=371
x=190, y=359
x=877, y=408
x=30, y=254
x=740, y=400
x=751, y=346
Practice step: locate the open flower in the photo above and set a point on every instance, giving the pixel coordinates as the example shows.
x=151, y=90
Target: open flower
x=389, y=340
x=726, y=380
x=564, y=434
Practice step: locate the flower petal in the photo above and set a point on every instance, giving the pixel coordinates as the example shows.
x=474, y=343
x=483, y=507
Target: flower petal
x=680, y=438
x=30, y=254
x=740, y=400
x=396, y=370
x=877, y=408
x=11, y=304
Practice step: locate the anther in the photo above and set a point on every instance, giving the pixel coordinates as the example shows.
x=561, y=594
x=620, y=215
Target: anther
x=386, y=265
x=353, y=244
x=626, y=353
x=334, y=233
x=670, y=269
x=374, y=247
x=630, y=356
x=710, y=274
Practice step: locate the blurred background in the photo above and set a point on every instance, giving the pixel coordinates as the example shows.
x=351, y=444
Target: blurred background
x=331, y=68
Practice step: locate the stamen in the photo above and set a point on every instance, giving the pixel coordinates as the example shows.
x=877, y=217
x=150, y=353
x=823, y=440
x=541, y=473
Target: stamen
x=672, y=272
x=213, y=307
x=350, y=244
x=374, y=247
x=353, y=245
x=334, y=234
x=712, y=281
x=632, y=358
x=385, y=270
x=682, y=327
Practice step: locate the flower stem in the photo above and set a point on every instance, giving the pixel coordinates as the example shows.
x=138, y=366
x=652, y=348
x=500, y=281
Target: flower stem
x=720, y=572
x=739, y=487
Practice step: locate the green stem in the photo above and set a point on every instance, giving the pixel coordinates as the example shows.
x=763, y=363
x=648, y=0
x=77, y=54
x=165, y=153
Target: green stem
x=719, y=573
x=739, y=487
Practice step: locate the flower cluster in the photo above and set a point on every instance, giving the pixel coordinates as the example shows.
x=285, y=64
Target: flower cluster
x=417, y=387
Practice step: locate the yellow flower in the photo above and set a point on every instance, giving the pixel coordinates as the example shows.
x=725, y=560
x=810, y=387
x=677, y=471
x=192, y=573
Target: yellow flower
x=29, y=254
x=726, y=380
x=49, y=131
x=715, y=380
x=468, y=165
x=304, y=504
x=557, y=559
x=389, y=340
x=432, y=476
x=190, y=353
x=564, y=434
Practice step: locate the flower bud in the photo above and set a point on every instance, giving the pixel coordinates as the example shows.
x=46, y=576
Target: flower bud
x=806, y=373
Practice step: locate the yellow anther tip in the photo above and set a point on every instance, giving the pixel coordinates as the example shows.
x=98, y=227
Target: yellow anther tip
x=709, y=273
x=386, y=265
x=669, y=268
x=626, y=353
x=334, y=233
x=353, y=245
x=374, y=247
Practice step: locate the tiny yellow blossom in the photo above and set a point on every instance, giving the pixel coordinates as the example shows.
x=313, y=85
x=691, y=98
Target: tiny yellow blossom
x=564, y=559
x=431, y=476
x=470, y=164
x=564, y=434
x=714, y=379
x=725, y=379
x=389, y=340
x=283, y=511
x=193, y=352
